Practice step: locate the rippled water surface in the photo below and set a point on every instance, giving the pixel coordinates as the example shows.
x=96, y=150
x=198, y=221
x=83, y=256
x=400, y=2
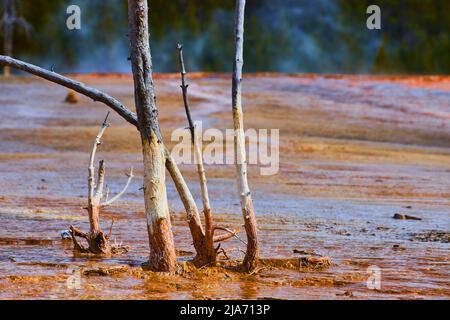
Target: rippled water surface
x=353, y=152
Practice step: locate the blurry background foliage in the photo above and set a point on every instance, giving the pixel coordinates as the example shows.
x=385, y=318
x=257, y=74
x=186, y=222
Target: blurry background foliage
x=324, y=36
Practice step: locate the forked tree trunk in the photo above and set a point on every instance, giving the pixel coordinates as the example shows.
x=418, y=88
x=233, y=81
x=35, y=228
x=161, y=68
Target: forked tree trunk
x=251, y=255
x=98, y=241
x=162, y=249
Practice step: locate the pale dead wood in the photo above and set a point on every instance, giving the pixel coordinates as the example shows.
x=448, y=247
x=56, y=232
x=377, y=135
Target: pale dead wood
x=115, y=198
x=162, y=248
x=195, y=139
x=223, y=237
x=91, y=169
x=98, y=242
x=230, y=234
x=77, y=86
x=251, y=256
x=97, y=95
x=192, y=215
x=100, y=181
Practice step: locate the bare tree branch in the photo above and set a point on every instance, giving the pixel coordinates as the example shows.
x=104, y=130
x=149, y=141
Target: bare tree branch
x=230, y=234
x=184, y=87
x=77, y=86
x=130, y=177
x=100, y=181
x=129, y=116
x=91, y=180
x=195, y=138
x=96, y=95
x=222, y=250
x=77, y=232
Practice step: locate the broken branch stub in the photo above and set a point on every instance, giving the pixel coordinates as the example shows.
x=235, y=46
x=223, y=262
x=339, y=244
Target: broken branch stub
x=121, y=193
x=92, y=199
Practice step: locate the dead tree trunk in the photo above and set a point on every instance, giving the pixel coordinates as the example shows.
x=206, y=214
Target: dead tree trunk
x=251, y=255
x=98, y=241
x=209, y=251
x=162, y=249
x=192, y=215
x=7, y=24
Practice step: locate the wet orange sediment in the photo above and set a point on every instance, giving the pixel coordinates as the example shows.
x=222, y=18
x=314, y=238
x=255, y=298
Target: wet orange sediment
x=349, y=160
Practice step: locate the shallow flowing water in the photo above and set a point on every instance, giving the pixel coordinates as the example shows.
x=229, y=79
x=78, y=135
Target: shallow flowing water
x=353, y=152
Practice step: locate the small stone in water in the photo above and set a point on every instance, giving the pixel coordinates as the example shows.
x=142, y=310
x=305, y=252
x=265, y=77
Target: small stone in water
x=65, y=234
x=405, y=217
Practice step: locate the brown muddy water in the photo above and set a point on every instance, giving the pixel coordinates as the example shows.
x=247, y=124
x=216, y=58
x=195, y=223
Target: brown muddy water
x=353, y=152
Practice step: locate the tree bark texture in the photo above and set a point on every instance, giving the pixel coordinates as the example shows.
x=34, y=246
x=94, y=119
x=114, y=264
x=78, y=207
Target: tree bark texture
x=252, y=252
x=162, y=249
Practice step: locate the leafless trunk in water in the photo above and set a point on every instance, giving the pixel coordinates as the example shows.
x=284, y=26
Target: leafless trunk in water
x=252, y=253
x=192, y=214
x=209, y=251
x=162, y=256
x=162, y=249
x=98, y=241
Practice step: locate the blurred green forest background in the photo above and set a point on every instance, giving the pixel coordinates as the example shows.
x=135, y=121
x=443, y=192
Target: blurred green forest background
x=323, y=36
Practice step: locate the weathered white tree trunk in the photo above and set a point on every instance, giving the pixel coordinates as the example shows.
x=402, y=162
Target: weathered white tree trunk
x=162, y=249
x=251, y=255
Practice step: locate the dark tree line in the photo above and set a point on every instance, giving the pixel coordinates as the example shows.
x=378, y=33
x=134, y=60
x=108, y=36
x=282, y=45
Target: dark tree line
x=287, y=35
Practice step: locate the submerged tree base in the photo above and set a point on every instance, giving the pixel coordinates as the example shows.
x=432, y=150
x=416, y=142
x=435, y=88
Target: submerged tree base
x=98, y=243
